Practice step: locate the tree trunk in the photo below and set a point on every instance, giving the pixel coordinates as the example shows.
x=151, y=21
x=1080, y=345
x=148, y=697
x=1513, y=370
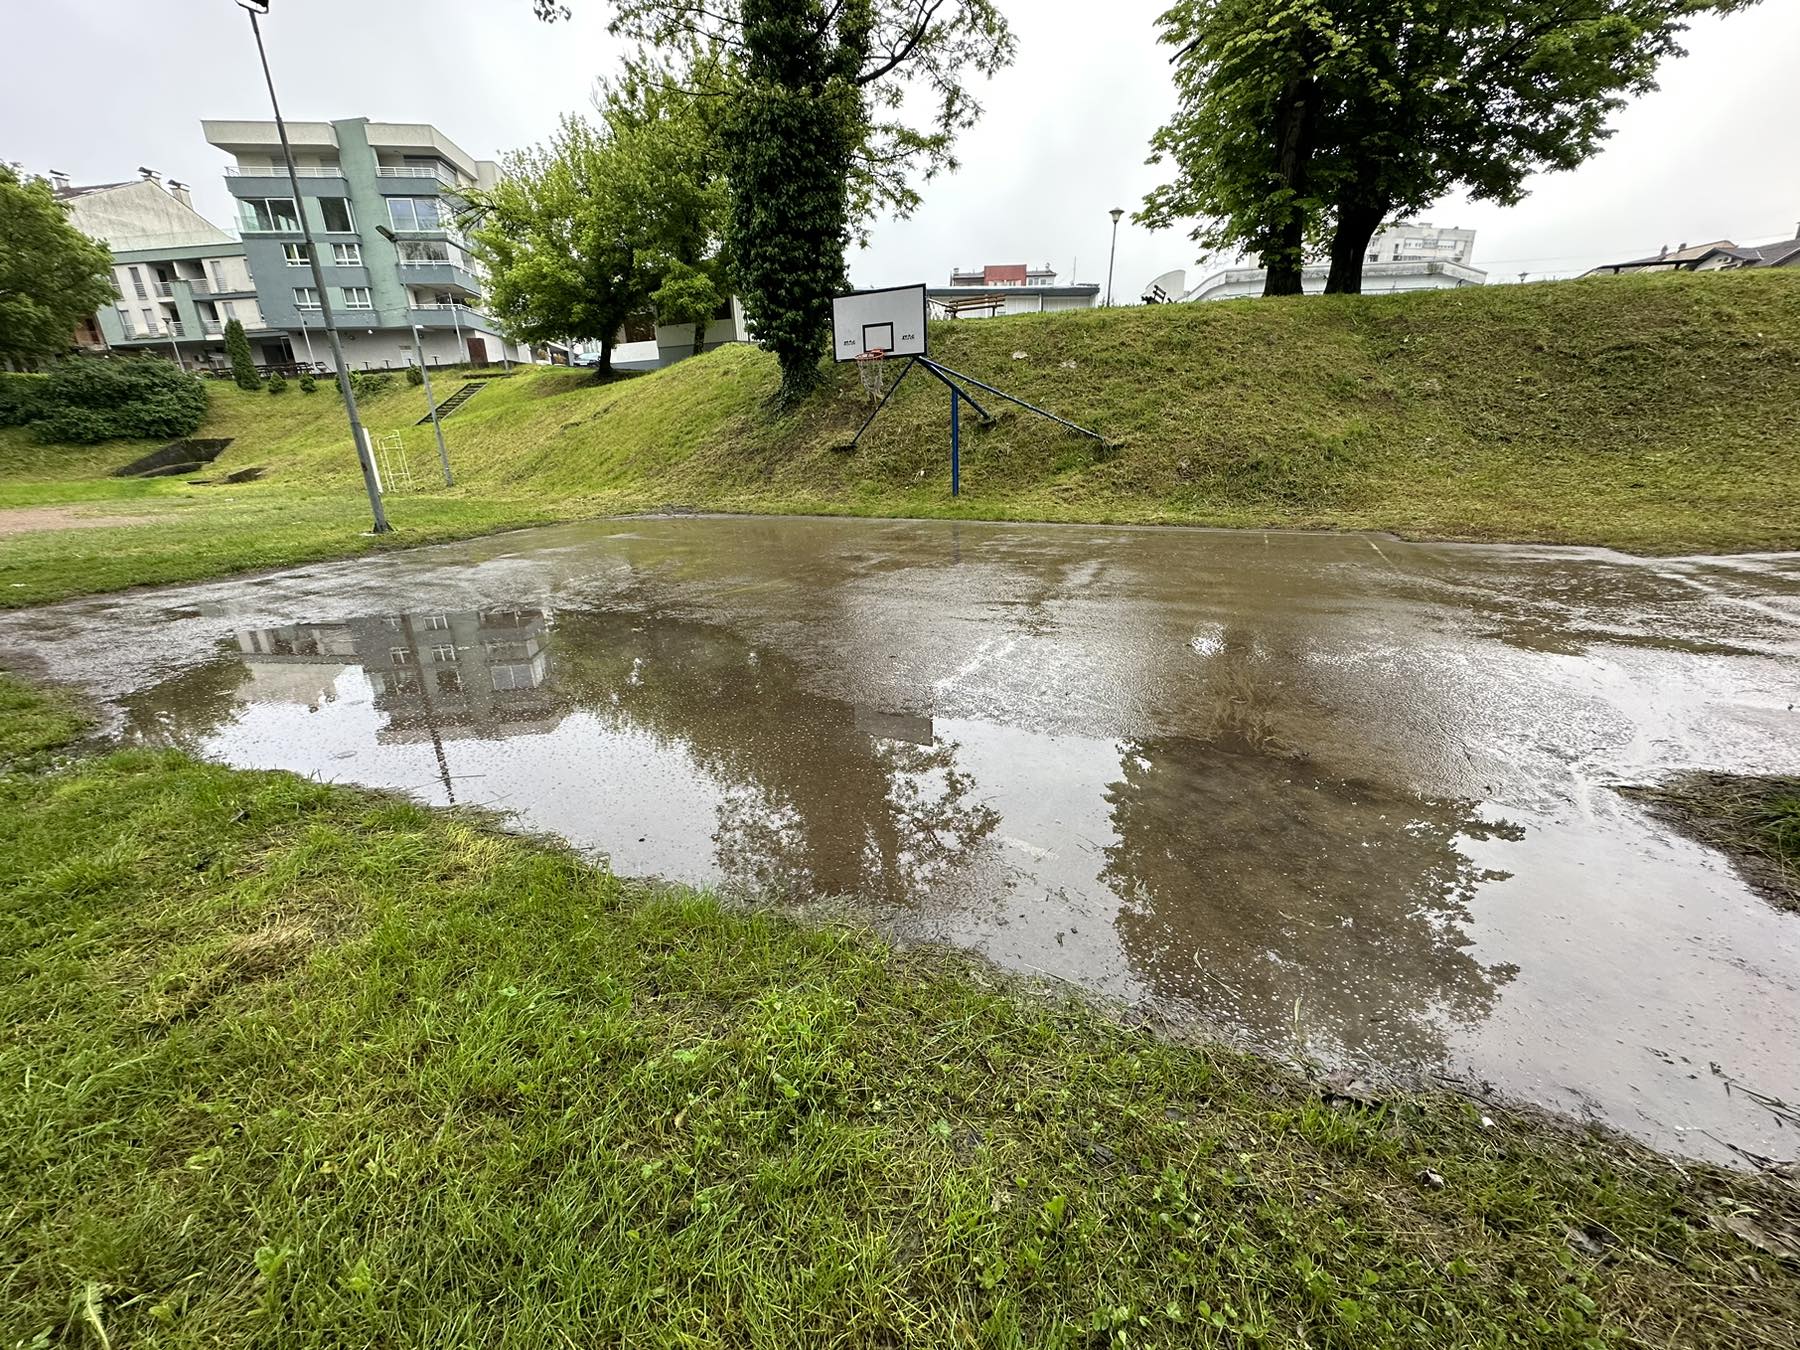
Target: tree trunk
x=605, y=367
x=1356, y=226
x=700, y=338
x=1285, y=255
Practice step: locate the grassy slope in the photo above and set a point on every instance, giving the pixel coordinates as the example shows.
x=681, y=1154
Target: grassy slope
x=289, y=1064
x=1657, y=414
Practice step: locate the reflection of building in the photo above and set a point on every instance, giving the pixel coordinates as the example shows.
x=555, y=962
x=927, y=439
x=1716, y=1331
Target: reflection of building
x=476, y=673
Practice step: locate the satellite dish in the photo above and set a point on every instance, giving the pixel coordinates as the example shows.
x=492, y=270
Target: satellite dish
x=1167, y=289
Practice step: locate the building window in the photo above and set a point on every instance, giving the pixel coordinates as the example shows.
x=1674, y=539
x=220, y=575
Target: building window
x=149, y=318
x=443, y=656
x=265, y=215
x=137, y=283
x=400, y=656
x=438, y=623
x=347, y=255
x=229, y=309
x=295, y=254
x=336, y=213
x=415, y=213
x=305, y=297
x=357, y=297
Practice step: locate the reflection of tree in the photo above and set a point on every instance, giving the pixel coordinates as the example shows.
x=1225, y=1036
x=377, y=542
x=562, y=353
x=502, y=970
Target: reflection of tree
x=1271, y=897
x=817, y=800
x=1268, y=896
x=187, y=707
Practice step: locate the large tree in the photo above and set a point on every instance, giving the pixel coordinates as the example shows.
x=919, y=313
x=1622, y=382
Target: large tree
x=1313, y=121
x=815, y=139
x=580, y=232
x=51, y=275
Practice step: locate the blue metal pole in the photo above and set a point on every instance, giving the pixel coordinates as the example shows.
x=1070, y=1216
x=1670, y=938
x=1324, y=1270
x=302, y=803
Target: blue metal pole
x=955, y=445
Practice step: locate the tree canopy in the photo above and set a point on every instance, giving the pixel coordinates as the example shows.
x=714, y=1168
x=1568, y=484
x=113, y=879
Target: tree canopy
x=1308, y=122
x=580, y=232
x=51, y=275
x=815, y=135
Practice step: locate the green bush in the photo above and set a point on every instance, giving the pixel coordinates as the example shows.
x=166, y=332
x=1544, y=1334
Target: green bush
x=277, y=382
x=19, y=398
x=84, y=400
x=415, y=376
x=366, y=383
x=308, y=384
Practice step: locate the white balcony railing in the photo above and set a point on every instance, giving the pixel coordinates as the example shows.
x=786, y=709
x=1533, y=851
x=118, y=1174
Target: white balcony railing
x=164, y=290
x=280, y=171
x=436, y=171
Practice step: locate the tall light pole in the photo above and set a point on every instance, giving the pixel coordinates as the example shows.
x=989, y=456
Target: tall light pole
x=370, y=481
x=1116, y=212
x=430, y=398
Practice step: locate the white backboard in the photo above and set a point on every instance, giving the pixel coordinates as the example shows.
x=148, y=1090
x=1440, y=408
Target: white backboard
x=892, y=319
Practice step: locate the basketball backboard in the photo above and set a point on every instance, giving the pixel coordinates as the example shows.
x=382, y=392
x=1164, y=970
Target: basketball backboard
x=890, y=320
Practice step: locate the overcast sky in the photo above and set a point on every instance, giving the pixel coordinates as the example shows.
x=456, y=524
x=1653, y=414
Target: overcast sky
x=99, y=87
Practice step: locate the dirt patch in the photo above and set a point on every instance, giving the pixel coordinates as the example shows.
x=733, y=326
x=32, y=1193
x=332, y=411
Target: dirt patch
x=30, y=519
x=1753, y=821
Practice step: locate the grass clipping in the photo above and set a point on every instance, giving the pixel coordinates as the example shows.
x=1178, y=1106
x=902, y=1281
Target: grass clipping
x=289, y=1064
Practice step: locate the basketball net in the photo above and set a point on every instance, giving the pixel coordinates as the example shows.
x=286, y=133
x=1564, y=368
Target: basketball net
x=868, y=366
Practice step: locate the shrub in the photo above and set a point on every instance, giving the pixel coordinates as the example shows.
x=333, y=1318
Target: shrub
x=308, y=384
x=415, y=376
x=277, y=382
x=84, y=400
x=18, y=398
x=243, y=365
x=366, y=383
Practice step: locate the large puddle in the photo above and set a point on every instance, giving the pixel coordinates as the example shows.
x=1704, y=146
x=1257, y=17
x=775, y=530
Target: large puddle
x=1335, y=796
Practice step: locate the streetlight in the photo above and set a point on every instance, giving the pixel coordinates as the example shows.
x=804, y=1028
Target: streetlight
x=1116, y=212
x=357, y=434
x=430, y=398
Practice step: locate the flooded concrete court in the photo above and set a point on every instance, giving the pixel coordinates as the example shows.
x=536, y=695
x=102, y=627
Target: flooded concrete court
x=1334, y=795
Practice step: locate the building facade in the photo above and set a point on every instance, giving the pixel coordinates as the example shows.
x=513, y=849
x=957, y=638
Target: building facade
x=180, y=278
x=1405, y=256
x=358, y=178
x=1007, y=288
x=1719, y=256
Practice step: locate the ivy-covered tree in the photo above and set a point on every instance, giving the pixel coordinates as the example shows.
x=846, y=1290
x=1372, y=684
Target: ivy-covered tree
x=1310, y=122
x=52, y=276
x=814, y=137
x=237, y=351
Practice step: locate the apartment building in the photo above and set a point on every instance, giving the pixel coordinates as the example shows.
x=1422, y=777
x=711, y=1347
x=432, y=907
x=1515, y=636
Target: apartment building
x=181, y=278
x=357, y=178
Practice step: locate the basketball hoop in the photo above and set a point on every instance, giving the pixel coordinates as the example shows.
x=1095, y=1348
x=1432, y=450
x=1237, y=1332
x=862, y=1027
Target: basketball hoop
x=868, y=366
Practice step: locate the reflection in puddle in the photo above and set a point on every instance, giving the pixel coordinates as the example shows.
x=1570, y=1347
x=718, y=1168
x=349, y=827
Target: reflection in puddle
x=1221, y=876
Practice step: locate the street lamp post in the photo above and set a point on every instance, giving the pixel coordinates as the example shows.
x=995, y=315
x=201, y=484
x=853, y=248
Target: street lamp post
x=424, y=370
x=370, y=481
x=1116, y=212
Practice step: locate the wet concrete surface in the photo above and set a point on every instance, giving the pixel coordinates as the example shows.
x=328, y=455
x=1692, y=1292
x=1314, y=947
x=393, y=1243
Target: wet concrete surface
x=1322, y=794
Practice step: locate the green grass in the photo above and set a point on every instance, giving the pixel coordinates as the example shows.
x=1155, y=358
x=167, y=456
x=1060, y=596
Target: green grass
x=1754, y=821
x=291, y=1064
x=1655, y=413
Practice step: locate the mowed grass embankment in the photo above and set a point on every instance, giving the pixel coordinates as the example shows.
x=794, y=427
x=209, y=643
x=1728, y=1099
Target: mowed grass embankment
x=1656, y=414
x=291, y=1064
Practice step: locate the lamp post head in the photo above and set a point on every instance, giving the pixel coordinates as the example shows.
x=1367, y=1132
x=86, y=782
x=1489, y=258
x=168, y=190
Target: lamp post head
x=386, y=234
x=255, y=6
x=1115, y=213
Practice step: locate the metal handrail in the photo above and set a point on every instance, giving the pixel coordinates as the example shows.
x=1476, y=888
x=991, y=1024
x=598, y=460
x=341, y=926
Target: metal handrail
x=418, y=171
x=164, y=290
x=280, y=171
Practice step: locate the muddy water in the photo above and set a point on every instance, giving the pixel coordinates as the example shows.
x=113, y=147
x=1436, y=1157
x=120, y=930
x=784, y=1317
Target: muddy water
x=1333, y=795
